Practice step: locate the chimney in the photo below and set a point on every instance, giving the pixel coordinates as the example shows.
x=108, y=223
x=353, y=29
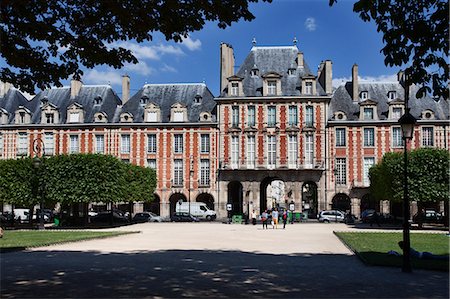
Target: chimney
x=300, y=61
x=226, y=64
x=324, y=75
x=75, y=86
x=355, y=91
x=125, y=88
x=4, y=88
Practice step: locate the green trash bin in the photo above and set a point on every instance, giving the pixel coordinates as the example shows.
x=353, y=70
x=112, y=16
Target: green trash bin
x=298, y=216
x=56, y=221
x=236, y=219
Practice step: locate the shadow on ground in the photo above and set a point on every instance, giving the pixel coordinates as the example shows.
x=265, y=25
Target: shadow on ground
x=213, y=274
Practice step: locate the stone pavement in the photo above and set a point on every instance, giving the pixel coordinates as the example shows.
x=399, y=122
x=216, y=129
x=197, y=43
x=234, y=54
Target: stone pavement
x=214, y=260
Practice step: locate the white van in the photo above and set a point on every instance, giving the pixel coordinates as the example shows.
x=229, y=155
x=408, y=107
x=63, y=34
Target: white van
x=23, y=214
x=198, y=209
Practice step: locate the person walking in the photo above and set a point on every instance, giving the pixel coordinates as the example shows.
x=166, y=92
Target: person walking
x=285, y=217
x=264, y=217
x=275, y=218
x=253, y=216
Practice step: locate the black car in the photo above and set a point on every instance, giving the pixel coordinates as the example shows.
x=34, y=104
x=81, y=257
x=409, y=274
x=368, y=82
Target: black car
x=108, y=217
x=183, y=217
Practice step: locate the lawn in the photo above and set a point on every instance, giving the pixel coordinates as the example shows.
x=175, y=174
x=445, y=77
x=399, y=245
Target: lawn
x=372, y=248
x=17, y=240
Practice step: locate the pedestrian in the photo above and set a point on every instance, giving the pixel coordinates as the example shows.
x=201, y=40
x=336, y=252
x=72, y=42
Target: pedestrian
x=418, y=254
x=275, y=218
x=253, y=217
x=285, y=217
x=264, y=217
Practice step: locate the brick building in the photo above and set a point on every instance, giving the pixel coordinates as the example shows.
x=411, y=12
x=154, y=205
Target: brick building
x=276, y=134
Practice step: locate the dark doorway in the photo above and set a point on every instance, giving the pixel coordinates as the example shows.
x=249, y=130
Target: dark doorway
x=309, y=200
x=173, y=200
x=341, y=202
x=368, y=202
x=153, y=206
x=273, y=196
x=207, y=199
x=235, y=196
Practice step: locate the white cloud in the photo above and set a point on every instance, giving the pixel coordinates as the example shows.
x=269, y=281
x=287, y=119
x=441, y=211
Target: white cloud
x=168, y=49
x=141, y=68
x=141, y=52
x=310, y=24
x=168, y=69
x=191, y=44
x=382, y=78
x=102, y=77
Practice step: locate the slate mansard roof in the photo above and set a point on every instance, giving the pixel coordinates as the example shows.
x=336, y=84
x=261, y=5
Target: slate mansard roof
x=277, y=59
x=11, y=101
x=166, y=95
x=378, y=93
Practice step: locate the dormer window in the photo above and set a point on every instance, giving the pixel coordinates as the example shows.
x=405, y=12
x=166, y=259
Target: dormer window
x=144, y=100
x=178, y=113
x=235, y=89
x=74, y=117
x=100, y=117
x=427, y=114
x=205, y=116
x=368, y=113
x=3, y=116
x=368, y=110
x=254, y=72
x=308, y=85
x=235, y=86
x=364, y=95
x=271, y=88
x=23, y=115
x=291, y=72
x=75, y=113
x=98, y=100
x=152, y=113
x=271, y=84
x=49, y=114
x=126, y=118
x=198, y=99
x=49, y=118
x=392, y=95
x=397, y=112
x=339, y=115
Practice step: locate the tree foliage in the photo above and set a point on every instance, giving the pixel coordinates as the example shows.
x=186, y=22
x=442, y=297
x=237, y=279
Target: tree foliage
x=415, y=33
x=428, y=176
x=44, y=41
x=139, y=179
x=16, y=183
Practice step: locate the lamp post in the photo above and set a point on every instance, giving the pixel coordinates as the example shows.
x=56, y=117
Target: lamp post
x=39, y=149
x=407, y=122
x=191, y=174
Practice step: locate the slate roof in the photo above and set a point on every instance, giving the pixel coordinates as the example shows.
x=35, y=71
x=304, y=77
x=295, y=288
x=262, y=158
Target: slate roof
x=60, y=97
x=277, y=59
x=378, y=92
x=166, y=95
x=11, y=102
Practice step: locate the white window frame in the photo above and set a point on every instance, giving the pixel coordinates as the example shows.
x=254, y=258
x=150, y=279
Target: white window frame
x=152, y=116
x=178, y=143
x=125, y=143
x=397, y=137
x=309, y=116
x=74, y=117
x=369, y=139
x=22, y=144
x=368, y=113
x=234, y=89
x=251, y=116
x=368, y=162
x=271, y=116
x=364, y=95
x=100, y=144
x=74, y=147
x=308, y=87
x=271, y=87
x=178, y=116
x=293, y=115
x=341, y=137
x=427, y=136
x=49, y=143
x=251, y=151
x=49, y=117
x=152, y=146
x=271, y=151
x=341, y=171
x=292, y=151
x=234, y=152
x=397, y=112
x=151, y=163
x=205, y=143
x=309, y=151
x=392, y=95
x=178, y=172
x=235, y=116
x=205, y=172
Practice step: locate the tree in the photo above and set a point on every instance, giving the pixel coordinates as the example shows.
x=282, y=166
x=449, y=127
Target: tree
x=44, y=41
x=415, y=33
x=141, y=182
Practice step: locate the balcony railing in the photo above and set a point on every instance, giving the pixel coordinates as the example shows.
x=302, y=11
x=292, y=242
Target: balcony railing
x=246, y=164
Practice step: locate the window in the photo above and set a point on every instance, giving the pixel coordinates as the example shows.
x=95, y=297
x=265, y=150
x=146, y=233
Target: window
x=340, y=137
x=204, y=143
x=271, y=88
x=235, y=116
x=397, y=112
x=126, y=161
x=368, y=113
x=251, y=152
x=234, y=151
x=254, y=72
x=292, y=151
x=178, y=172
x=251, y=116
x=308, y=87
x=125, y=144
x=392, y=95
x=152, y=116
x=1, y=144
x=397, y=140
x=49, y=144
x=291, y=72
x=151, y=143
x=204, y=172
x=178, y=116
x=178, y=143
x=74, y=147
x=74, y=117
x=22, y=148
x=271, y=116
x=49, y=118
x=427, y=136
x=364, y=95
x=271, y=151
x=234, y=89
x=309, y=150
x=309, y=119
x=151, y=163
x=369, y=137
x=341, y=171
x=144, y=100
x=368, y=163
x=293, y=116
x=99, y=144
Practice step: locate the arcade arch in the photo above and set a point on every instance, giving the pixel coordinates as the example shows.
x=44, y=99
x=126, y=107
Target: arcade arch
x=173, y=201
x=153, y=206
x=207, y=199
x=309, y=199
x=341, y=201
x=235, y=197
x=272, y=194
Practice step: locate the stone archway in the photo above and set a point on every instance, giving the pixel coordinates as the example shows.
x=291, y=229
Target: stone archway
x=272, y=194
x=154, y=205
x=173, y=200
x=207, y=198
x=309, y=200
x=235, y=197
x=341, y=202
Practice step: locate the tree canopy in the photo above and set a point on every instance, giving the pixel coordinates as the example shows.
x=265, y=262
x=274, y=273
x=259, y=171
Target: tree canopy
x=415, y=34
x=428, y=176
x=46, y=41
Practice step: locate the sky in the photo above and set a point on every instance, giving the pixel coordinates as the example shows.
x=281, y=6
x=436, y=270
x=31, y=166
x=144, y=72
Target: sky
x=323, y=32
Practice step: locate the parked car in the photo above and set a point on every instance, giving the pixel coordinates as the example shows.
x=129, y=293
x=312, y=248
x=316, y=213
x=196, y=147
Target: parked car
x=430, y=216
x=331, y=216
x=107, y=217
x=183, y=217
x=366, y=215
x=146, y=217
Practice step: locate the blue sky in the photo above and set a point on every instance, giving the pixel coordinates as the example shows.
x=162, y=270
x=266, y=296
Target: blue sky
x=323, y=32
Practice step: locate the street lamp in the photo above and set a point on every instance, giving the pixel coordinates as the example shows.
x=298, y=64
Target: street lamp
x=407, y=122
x=191, y=174
x=39, y=149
